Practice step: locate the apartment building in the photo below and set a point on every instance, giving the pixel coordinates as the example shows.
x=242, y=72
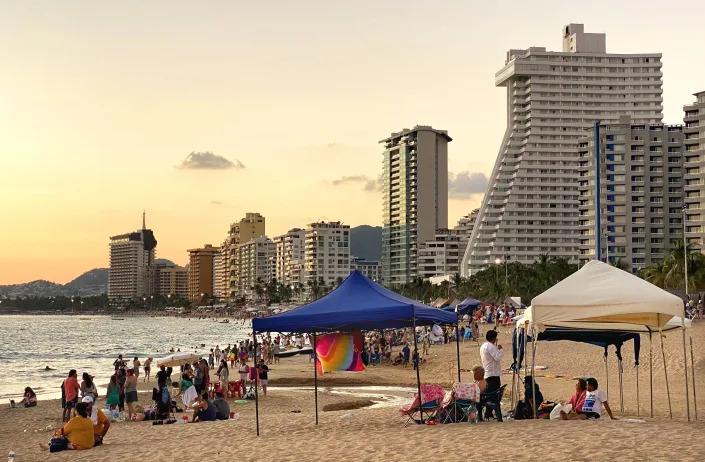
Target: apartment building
x=640, y=192
x=694, y=145
x=254, y=262
x=441, y=255
x=531, y=204
x=290, y=257
x=326, y=252
x=368, y=268
x=172, y=281
x=131, y=273
x=200, y=272
x=415, y=197
x=242, y=231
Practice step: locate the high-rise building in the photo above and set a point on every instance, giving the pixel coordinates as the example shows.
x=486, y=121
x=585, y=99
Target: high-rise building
x=326, y=253
x=254, y=262
x=694, y=134
x=368, y=268
x=221, y=271
x=172, y=281
x=200, y=272
x=441, y=255
x=253, y=225
x=131, y=273
x=290, y=257
x=465, y=225
x=415, y=197
x=640, y=192
x=531, y=204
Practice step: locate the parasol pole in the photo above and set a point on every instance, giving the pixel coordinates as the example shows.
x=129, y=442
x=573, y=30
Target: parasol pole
x=254, y=336
x=685, y=368
x=665, y=373
x=692, y=368
x=315, y=376
x=651, y=378
x=418, y=366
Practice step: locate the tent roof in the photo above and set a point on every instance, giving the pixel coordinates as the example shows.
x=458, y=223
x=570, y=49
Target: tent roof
x=601, y=293
x=675, y=322
x=356, y=304
x=469, y=302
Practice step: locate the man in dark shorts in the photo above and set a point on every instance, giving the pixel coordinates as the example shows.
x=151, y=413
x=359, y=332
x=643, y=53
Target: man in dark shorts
x=263, y=371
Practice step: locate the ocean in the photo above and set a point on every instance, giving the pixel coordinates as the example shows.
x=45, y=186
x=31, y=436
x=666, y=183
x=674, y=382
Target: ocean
x=90, y=344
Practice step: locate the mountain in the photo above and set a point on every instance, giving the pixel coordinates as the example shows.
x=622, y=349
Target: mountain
x=164, y=261
x=366, y=242
x=93, y=282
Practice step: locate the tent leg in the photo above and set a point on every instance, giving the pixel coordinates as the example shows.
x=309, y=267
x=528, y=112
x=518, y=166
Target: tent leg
x=418, y=366
x=457, y=346
x=665, y=373
x=619, y=378
x=692, y=369
x=254, y=337
x=315, y=377
x=533, y=371
x=685, y=368
x=607, y=375
x=638, y=405
x=651, y=378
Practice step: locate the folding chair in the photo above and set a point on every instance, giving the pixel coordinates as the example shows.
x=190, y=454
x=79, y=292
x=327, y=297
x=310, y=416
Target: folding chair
x=430, y=409
x=492, y=401
x=432, y=395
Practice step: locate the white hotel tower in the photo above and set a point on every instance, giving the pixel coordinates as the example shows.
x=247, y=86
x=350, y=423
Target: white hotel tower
x=531, y=204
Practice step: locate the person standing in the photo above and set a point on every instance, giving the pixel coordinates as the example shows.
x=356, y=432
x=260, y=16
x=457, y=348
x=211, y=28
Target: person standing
x=113, y=393
x=118, y=363
x=131, y=393
x=263, y=370
x=71, y=389
x=197, y=377
x=491, y=354
x=147, y=368
x=136, y=366
x=121, y=379
x=224, y=376
x=88, y=388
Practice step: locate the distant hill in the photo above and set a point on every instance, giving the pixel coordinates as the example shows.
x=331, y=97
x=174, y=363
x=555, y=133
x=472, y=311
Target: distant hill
x=164, y=261
x=366, y=242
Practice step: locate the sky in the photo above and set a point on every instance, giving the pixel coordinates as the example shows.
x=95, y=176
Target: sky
x=281, y=103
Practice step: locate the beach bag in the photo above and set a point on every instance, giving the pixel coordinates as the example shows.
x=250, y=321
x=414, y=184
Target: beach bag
x=58, y=443
x=522, y=411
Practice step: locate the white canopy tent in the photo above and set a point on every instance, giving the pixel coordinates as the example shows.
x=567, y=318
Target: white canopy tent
x=602, y=297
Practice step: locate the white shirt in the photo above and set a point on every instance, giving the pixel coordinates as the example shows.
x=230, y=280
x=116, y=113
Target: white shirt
x=594, y=400
x=491, y=357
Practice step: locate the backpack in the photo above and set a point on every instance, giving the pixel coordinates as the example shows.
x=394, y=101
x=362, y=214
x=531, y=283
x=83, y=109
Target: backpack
x=523, y=411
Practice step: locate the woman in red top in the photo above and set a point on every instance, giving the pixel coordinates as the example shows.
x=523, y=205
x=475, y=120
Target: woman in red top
x=576, y=400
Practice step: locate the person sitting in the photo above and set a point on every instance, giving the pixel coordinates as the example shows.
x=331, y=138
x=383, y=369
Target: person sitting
x=78, y=432
x=29, y=399
x=222, y=409
x=576, y=401
x=407, y=353
x=532, y=396
x=595, y=400
x=478, y=374
x=101, y=424
x=203, y=410
x=399, y=359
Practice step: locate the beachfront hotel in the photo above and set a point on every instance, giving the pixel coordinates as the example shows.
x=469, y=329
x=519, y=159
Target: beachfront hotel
x=221, y=271
x=253, y=263
x=415, y=197
x=249, y=227
x=290, y=257
x=131, y=272
x=171, y=281
x=200, y=272
x=640, y=192
x=326, y=253
x=369, y=268
x=694, y=145
x=531, y=204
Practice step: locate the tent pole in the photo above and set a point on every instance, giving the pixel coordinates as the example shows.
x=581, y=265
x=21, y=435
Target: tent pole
x=638, y=406
x=665, y=373
x=619, y=378
x=457, y=346
x=651, y=378
x=418, y=366
x=607, y=374
x=685, y=368
x=315, y=376
x=533, y=370
x=254, y=337
x=692, y=368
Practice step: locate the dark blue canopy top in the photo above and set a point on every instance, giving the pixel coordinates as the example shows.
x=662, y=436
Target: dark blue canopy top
x=356, y=304
x=466, y=306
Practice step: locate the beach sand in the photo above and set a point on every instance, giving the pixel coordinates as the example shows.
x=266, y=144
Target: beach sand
x=376, y=433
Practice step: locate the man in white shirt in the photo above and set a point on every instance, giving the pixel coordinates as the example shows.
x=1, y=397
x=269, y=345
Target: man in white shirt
x=491, y=354
x=595, y=400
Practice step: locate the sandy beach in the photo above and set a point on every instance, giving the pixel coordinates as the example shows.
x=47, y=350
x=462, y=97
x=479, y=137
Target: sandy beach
x=375, y=432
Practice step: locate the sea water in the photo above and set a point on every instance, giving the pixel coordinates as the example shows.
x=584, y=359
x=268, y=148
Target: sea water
x=29, y=343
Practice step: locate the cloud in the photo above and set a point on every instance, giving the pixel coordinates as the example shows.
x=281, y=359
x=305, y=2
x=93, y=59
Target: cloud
x=465, y=184
x=369, y=184
x=214, y=202
x=209, y=161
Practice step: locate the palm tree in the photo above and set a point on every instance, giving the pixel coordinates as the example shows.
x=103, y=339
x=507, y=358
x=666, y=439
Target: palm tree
x=622, y=264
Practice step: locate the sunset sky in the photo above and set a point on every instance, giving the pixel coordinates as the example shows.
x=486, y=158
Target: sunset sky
x=102, y=102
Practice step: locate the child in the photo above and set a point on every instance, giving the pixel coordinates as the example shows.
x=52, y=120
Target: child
x=595, y=400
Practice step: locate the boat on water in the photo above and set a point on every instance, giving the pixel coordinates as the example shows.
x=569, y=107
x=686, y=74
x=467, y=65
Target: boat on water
x=294, y=351
x=118, y=319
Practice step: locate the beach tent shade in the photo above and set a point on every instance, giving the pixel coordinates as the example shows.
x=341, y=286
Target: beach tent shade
x=178, y=359
x=513, y=301
x=601, y=293
x=356, y=304
x=675, y=322
x=468, y=305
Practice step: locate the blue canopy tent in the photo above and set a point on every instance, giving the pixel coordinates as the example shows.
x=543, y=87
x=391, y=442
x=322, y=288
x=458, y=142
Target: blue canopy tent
x=356, y=304
x=466, y=306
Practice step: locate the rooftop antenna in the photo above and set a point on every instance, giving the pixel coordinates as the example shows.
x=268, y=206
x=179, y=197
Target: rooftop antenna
x=144, y=220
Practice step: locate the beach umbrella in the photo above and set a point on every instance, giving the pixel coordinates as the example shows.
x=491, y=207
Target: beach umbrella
x=178, y=359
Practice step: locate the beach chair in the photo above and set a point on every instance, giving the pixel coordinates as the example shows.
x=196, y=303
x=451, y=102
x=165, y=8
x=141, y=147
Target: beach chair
x=492, y=401
x=431, y=397
x=459, y=402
